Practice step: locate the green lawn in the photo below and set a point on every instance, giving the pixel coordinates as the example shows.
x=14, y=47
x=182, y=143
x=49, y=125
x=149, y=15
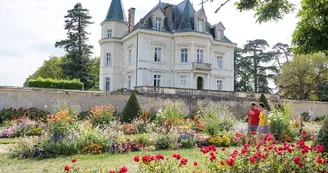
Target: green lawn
x=110, y=161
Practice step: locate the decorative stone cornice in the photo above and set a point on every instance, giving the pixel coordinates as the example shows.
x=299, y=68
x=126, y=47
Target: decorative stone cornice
x=110, y=40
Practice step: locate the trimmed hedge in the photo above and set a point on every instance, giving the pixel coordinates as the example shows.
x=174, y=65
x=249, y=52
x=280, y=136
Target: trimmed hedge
x=264, y=100
x=52, y=83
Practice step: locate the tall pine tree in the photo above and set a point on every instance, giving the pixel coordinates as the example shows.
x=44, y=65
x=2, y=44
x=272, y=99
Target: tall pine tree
x=259, y=71
x=77, y=62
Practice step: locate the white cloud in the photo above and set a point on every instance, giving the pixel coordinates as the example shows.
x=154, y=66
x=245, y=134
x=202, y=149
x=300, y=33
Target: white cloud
x=30, y=29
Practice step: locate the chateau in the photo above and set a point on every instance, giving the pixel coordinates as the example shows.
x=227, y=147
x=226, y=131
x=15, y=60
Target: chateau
x=171, y=46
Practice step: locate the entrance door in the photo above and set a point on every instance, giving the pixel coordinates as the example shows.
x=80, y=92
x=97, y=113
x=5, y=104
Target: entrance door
x=199, y=83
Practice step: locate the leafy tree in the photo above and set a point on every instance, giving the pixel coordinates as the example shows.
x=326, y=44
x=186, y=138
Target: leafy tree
x=264, y=100
x=50, y=69
x=282, y=53
x=95, y=70
x=255, y=49
x=301, y=77
x=310, y=35
x=242, y=72
x=77, y=61
x=322, y=92
x=265, y=10
x=322, y=137
x=132, y=109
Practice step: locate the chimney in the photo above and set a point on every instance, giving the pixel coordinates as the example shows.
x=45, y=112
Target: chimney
x=168, y=14
x=131, y=17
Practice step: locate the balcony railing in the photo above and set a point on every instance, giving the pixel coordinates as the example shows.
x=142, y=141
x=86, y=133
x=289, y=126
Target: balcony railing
x=201, y=66
x=207, y=93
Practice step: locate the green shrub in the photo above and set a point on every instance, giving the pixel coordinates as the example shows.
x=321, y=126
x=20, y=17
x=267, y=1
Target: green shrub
x=322, y=137
x=264, y=100
x=216, y=118
x=92, y=136
x=171, y=115
x=305, y=116
x=166, y=141
x=53, y=83
x=132, y=109
x=143, y=139
x=31, y=113
x=83, y=115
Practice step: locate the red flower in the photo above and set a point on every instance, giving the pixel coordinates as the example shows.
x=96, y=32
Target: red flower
x=230, y=161
x=183, y=161
x=213, y=157
x=159, y=157
x=252, y=159
x=320, y=160
x=124, y=169
x=66, y=168
x=297, y=159
x=304, y=134
x=253, y=133
x=319, y=148
x=223, y=149
x=195, y=163
x=243, y=151
x=151, y=158
x=112, y=172
x=74, y=160
x=178, y=156
x=136, y=158
x=222, y=163
x=301, y=143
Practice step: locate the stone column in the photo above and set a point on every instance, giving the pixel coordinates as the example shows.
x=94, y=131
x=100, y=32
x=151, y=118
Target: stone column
x=208, y=81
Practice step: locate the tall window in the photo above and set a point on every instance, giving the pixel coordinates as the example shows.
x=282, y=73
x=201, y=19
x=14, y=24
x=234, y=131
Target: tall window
x=219, y=62
x=157, y=54
x=184, y=55
x=109, y=33
x=130, y=56
x=200, y=55
x=157, y=80
x=158, y=24
x=219, y=85
x=200, y=25
x=183, y=81
x=107, y=84
x=129, y=82
x=109, y=59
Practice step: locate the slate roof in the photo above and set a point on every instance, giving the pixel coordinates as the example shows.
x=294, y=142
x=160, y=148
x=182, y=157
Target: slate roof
x=181, y=19
x=116, y=12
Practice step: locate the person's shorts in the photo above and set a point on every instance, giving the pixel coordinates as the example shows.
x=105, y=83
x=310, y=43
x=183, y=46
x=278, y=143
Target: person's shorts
x=263, y=129
x=251, y=129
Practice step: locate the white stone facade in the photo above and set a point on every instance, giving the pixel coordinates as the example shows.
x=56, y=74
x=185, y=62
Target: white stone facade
x=152, y=57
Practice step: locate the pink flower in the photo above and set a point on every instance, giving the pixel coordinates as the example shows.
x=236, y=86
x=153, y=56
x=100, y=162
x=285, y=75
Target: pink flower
x=230, y=161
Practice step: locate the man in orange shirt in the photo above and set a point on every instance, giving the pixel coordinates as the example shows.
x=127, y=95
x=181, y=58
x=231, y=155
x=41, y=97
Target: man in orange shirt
x=253, y=116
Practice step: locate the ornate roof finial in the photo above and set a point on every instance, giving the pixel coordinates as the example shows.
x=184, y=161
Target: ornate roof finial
x=202, y=3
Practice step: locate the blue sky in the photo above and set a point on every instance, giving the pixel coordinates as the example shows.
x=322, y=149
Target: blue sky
x=30, y=29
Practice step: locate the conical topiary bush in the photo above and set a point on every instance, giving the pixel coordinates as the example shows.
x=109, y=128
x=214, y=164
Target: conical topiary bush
x=131, y=110
x=264, y=100
x=322, y=137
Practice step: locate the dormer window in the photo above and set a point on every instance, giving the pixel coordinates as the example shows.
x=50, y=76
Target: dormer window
x=158, y=24
x=219, y=34
x=109, y=33
x=200, y=25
